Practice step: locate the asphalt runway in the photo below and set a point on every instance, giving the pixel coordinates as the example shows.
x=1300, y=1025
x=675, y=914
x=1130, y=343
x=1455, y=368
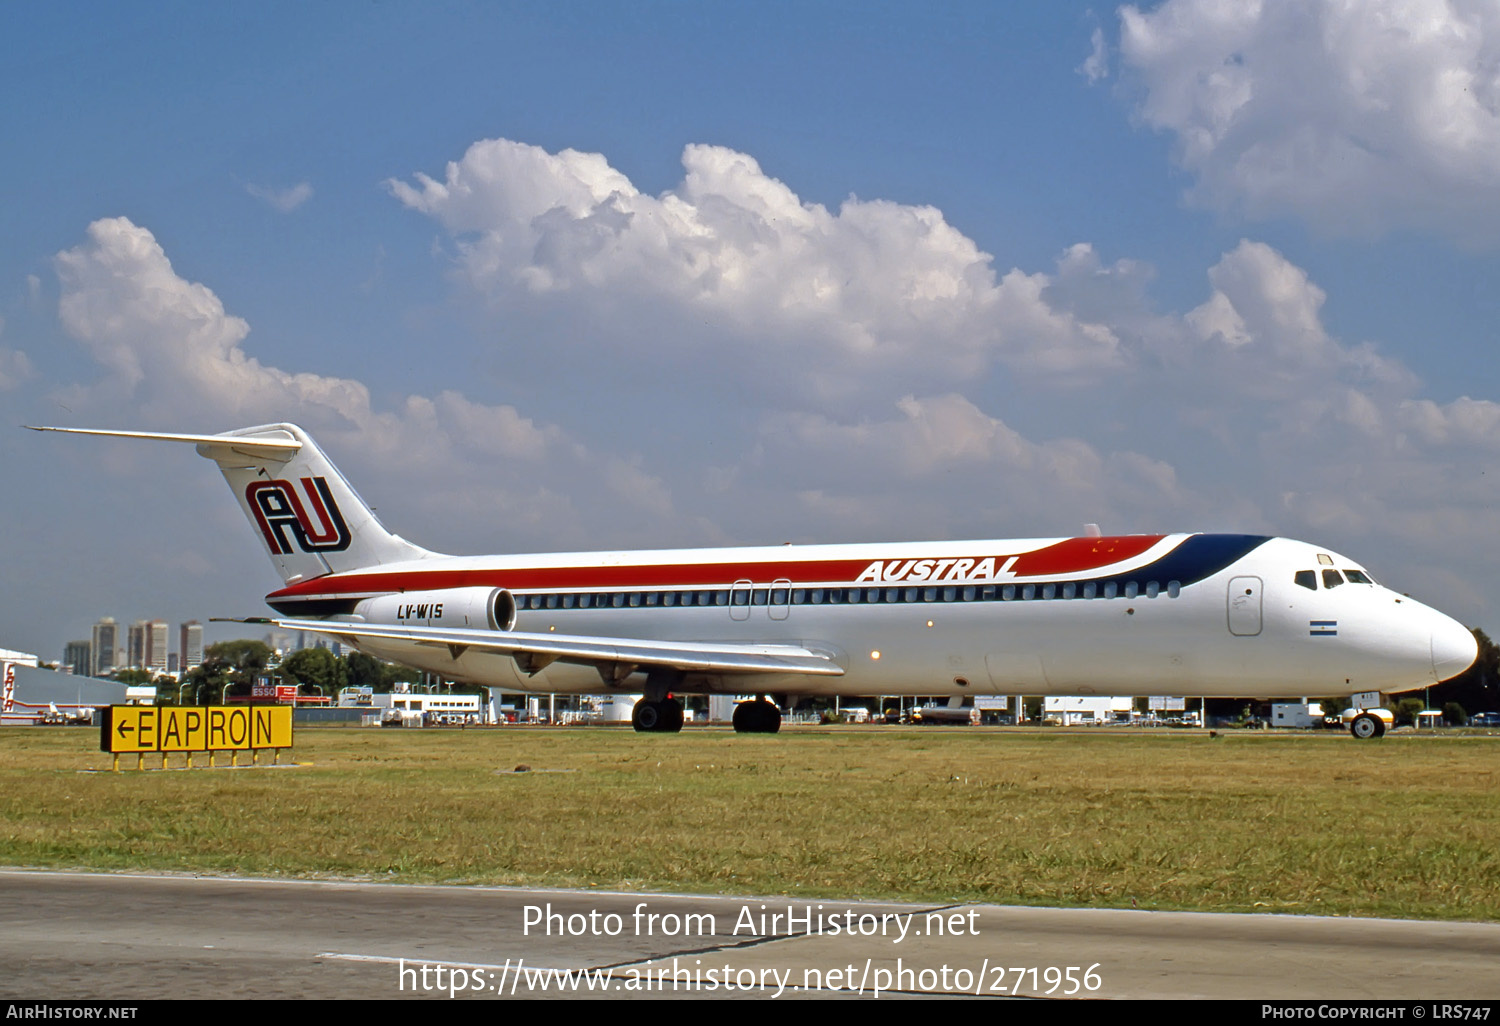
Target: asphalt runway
x=66, y=936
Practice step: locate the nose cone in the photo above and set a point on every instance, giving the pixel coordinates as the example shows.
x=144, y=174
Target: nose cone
x=1453, y=649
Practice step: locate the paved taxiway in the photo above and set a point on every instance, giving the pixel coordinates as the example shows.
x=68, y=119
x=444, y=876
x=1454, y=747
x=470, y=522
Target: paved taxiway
x=67, y=935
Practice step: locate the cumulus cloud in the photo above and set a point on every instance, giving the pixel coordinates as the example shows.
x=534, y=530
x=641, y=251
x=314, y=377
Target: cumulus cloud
x=15, y=368
x=1242, y=412
x=873, y=289
x=1357, y=115
x=1096, y=65
x=1263, y=324
x=171, y=352
x=1465, y=421
x=169, y=341
x=282, y=200
x=941, y=460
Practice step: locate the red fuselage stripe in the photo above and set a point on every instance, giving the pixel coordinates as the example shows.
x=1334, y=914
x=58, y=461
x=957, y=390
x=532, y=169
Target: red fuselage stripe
x=1075, y=555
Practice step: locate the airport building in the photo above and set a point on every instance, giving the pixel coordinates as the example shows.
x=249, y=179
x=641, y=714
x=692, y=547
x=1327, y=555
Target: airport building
x=31, y=693
x=1072, y=710
x=18, y=658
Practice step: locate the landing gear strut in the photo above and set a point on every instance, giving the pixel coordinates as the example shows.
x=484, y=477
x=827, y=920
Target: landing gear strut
x=757, y=717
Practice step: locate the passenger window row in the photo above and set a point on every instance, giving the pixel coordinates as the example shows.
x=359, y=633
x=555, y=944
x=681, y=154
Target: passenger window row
x=741, y=597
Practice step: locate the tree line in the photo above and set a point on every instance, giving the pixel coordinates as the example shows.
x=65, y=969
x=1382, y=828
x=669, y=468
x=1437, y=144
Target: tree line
x=232, y=667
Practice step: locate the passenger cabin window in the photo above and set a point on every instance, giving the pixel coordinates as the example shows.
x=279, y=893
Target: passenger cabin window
x=1307, y=578
x=1331, y=579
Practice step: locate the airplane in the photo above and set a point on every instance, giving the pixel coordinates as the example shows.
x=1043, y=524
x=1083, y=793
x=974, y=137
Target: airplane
x=1227, y=615
x=955, y=712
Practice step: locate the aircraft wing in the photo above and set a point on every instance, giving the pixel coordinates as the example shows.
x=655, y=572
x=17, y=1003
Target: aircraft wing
x=615, y=658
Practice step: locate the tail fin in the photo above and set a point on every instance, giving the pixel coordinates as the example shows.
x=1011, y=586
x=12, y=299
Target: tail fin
x=308, y=517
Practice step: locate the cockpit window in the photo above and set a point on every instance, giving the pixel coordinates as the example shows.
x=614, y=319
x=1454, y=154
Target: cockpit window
x=1358, y=577
x=1307, y=578
x=1331, y=579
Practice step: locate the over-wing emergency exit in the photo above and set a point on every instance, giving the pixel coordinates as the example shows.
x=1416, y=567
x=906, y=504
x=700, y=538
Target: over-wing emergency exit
x=1175, y=614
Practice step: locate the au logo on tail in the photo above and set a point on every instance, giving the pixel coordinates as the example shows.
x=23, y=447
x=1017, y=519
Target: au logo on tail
x=278, y=509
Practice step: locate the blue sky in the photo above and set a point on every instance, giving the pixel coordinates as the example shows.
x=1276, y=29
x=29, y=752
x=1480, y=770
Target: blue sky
x=834, y=272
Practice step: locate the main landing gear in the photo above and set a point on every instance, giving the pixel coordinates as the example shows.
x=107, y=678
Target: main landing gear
x=757, y=717
x=664, y=716
x=1366, y=726
x=658, y=712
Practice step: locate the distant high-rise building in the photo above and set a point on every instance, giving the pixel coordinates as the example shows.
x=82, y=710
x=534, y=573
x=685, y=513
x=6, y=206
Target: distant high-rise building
x=135, y=645
x=106, y=641
x=156, y=646
x=190, y=645
x=76, y=658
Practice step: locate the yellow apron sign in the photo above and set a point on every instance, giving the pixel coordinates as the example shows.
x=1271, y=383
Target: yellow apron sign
x=206, y=728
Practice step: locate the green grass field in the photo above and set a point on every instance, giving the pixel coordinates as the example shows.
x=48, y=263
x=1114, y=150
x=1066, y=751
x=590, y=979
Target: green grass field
x=1405, y=827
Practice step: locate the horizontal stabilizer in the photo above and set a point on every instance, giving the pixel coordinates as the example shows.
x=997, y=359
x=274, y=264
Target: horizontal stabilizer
x=268, y=447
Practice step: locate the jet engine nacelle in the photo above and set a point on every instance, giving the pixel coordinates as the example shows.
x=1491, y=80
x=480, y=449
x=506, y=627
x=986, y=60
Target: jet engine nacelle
x=474, y=608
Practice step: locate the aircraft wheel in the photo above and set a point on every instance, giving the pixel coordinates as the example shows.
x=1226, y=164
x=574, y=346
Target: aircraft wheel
x=756, y=717
x=1366, y=726
x=646, y=716
x=664, y=717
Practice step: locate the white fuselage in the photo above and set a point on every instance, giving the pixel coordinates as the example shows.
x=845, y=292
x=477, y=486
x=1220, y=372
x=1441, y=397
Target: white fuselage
x=1190, y=615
